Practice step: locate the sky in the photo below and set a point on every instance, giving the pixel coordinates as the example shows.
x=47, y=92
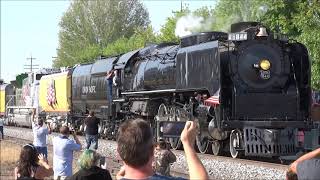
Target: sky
x=30, y=28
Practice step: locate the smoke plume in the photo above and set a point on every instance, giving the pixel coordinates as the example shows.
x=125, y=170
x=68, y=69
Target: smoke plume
x=188, y=24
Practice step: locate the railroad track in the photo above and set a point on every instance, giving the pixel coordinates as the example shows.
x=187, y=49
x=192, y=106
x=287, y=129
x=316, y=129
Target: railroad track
x=218, y=167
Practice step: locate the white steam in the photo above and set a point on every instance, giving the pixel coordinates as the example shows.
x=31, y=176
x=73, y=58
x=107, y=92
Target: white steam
x=188, y=24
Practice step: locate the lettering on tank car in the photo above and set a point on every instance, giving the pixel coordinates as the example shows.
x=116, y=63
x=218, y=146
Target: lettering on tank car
x=89, y=89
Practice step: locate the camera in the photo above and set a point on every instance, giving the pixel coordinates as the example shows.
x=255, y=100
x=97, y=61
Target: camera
x=171, y=129
x=72, y=131
x=102, y=161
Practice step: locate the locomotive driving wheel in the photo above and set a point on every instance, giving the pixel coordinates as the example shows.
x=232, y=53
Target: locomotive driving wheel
x=235, y=143
x=163, y=114
x=176, y=115
x=202, y=141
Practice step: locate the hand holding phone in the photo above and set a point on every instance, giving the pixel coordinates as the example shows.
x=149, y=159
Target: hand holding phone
x=188, y=135
x=171, y=128
x=121, y=173
x=103, y=163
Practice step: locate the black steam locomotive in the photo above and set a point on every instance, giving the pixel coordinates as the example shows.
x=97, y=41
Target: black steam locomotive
x=249, y=89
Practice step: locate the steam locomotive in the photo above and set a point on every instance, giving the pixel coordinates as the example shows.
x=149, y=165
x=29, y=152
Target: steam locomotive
x=249, y=90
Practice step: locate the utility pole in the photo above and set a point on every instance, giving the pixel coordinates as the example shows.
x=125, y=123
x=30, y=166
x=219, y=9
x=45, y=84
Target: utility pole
x=181, y=6
x=31, y=66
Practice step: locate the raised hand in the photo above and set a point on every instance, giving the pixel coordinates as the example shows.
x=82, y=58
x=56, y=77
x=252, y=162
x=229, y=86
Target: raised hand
x=121, y=173
x=188, y=135
x=42, y=159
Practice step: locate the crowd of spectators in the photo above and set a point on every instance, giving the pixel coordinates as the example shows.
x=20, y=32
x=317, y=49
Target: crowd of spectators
x=142, y=157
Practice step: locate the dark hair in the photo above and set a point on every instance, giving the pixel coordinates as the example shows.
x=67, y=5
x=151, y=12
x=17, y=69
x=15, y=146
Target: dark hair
x=290, y=175
x=91, y=113
x=162, y=144
x=40, y=122
x=28, y=159
x=135, y=142
x=65, y=130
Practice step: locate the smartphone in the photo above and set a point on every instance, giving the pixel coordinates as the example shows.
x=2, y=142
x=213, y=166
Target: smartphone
x=171, y=128
x=102, y=161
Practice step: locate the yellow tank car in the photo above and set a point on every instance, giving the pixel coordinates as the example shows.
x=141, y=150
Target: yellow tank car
x=55, y=93
x=6, y=95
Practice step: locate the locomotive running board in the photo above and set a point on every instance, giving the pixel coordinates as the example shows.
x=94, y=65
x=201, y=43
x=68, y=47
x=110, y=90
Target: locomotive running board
x=118, y=100
x=149, y=92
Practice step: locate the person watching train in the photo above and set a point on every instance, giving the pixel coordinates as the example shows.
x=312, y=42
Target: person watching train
x=1, y=126
x=136, y=149
x=32, y=165
x=89, y=167
x=92, y=126
x=63, y=149
x=40, y=133
x=163, y=157
x=305, y=167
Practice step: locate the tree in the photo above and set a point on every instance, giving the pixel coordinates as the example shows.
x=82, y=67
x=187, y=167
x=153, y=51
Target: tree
x=136, y=41
x=227, y=12
x=300, y=19
x=89, y=26
x=167, y=31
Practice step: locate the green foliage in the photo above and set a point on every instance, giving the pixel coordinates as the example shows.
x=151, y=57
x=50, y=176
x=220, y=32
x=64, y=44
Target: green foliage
x=136, y=41
x=228, y=12
x=19, y=79
x=167, y=33
x=300, y=19
x=111, y=27
x=89, y=26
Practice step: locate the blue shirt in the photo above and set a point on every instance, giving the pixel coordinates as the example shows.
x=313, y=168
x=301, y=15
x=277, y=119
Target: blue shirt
x=309, y=169
x=39, y=135
x=63, y=155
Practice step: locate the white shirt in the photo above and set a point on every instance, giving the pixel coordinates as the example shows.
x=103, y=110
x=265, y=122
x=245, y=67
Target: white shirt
x=1, y=121
x=40, y=135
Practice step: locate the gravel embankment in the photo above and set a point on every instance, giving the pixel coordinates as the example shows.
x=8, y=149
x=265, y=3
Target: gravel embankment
x=217, y=167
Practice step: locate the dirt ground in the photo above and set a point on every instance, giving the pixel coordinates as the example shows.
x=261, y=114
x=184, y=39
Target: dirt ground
x=9, y=155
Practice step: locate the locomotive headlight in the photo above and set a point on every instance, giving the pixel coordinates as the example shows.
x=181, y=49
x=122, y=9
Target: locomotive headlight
x=265, y=64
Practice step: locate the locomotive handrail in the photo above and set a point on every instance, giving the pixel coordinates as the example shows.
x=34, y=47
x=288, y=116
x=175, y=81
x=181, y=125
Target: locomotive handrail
x=155, y=91
x=20, y=107
x=10, y=100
